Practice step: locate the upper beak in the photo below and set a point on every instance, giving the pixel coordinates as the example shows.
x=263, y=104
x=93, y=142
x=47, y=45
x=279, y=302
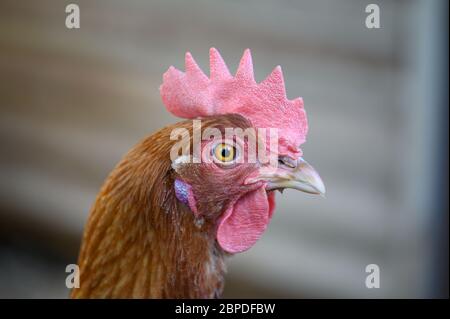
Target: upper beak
x=296, y=174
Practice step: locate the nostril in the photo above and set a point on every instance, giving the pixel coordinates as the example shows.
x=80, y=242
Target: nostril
x=286, y=161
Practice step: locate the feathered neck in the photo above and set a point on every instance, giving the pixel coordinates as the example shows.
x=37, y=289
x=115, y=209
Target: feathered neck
x=140, y=242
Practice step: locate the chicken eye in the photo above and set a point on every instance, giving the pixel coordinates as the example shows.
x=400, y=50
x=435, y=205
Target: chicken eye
x=225, y=153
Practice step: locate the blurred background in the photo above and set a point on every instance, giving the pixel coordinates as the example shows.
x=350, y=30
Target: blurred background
x=72, y=102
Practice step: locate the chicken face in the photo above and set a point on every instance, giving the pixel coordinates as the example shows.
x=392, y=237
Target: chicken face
x=234, y=187
x=227, y=185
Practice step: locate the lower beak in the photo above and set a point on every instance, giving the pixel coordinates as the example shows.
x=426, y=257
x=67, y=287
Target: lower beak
x=293, y=174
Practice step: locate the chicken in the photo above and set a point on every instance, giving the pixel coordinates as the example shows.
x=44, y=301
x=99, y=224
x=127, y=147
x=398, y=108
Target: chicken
x=166, y=218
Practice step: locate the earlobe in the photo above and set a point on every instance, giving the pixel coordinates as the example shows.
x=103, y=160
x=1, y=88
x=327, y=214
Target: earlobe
x=184, y=193
x=180, y=161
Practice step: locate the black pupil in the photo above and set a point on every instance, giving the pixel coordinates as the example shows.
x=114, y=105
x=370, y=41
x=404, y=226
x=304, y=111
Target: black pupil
x=225, y=152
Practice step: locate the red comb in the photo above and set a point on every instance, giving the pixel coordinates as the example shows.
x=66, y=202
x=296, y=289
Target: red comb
x=192, y=94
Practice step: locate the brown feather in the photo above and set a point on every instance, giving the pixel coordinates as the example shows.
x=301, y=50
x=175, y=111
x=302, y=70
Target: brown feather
x=139, y=241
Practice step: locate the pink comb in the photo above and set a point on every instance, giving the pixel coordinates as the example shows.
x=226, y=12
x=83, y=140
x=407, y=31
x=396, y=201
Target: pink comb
x=192, y=94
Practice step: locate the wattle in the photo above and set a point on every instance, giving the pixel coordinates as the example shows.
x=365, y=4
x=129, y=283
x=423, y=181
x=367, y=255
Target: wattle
x=245, y=221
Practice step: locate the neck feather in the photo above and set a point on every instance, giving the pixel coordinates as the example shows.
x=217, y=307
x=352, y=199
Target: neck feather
x=140, y=242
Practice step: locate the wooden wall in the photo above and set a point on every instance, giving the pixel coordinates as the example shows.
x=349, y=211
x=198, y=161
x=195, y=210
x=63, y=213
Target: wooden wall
x=72, y=102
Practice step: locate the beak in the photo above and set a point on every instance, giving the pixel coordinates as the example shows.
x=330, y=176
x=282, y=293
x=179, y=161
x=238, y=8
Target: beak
x=296, y=174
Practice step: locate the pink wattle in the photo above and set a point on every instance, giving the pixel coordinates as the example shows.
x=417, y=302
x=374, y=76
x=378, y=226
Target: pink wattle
x=244, y=222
